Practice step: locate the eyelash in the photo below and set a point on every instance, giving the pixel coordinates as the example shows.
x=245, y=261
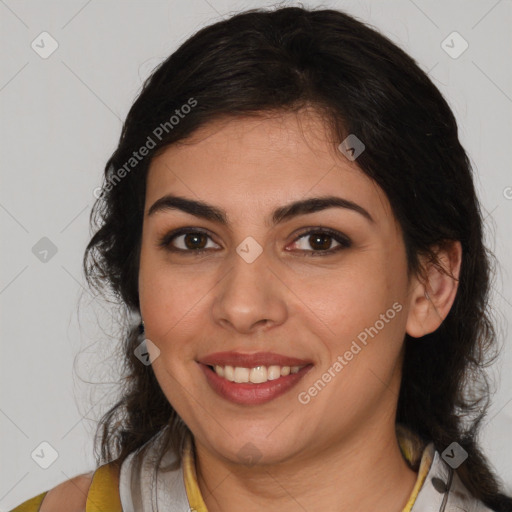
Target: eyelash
x=343, y=240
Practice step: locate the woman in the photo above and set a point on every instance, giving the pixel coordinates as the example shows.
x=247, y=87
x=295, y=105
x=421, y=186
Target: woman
x=292, y=219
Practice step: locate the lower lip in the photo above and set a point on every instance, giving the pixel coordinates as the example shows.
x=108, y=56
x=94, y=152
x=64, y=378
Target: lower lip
x=252, y=394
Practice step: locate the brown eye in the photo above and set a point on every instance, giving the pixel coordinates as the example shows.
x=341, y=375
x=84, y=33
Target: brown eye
x=195, y=240
x=186, y=240
x=319, y=242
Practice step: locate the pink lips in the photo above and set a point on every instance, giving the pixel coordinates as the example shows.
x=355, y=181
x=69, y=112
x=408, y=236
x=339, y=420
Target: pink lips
x=249, y=393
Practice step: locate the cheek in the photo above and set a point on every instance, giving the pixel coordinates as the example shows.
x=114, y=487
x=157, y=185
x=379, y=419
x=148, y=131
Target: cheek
x=171, y=306
x=170, y=301
x=344, y=302
x=360, y=321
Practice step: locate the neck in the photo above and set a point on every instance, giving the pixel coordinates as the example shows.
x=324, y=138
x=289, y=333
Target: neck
x=365, y=472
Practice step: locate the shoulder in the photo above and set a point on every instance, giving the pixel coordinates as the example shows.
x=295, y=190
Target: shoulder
x=99, y=486
x=70, y=495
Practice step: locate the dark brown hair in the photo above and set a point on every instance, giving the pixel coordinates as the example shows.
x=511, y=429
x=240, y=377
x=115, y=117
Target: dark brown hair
x=287, y=59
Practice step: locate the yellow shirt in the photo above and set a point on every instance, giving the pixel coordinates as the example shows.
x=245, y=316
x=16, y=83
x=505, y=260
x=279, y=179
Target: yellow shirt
x=104, y=496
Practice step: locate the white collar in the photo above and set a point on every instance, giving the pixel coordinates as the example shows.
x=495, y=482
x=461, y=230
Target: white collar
x=443, y=491
x=142, y=489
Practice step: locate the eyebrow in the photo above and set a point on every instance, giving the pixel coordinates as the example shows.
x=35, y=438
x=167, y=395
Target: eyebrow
x=214, y=214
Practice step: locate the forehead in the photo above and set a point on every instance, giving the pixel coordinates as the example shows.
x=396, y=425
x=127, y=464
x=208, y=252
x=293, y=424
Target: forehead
x=262, y=162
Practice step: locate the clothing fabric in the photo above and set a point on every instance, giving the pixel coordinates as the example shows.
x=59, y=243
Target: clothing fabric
x=143, y=486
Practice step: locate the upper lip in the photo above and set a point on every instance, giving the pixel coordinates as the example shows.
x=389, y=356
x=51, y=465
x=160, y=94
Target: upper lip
x=251, y=360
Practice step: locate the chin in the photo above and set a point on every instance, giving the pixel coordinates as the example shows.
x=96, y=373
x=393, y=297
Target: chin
x=257, y=448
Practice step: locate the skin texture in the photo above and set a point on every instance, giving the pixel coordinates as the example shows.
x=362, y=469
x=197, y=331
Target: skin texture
x=70, y=495
x=339, y=451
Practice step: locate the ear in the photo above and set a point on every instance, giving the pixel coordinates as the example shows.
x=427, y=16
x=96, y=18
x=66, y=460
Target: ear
x=431, y=297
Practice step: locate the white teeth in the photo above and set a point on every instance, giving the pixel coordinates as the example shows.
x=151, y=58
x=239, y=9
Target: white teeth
x=229, y=373
x=258, y=374
x=285, y=370
x=241, y=374
x=274, y=372
x=255, y=375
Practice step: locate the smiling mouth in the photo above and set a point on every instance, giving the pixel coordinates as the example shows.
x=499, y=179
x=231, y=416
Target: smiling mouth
x=253, y=386
x=255, y=375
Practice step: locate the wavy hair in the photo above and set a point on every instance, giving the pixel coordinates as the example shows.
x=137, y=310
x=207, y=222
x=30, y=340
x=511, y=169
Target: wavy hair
x=284, y=60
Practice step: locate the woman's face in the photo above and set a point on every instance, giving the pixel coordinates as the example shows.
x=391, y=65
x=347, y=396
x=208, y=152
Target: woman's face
x=277, y=286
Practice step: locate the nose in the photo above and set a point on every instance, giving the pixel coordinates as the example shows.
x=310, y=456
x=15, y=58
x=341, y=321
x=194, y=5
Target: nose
x=250, y=297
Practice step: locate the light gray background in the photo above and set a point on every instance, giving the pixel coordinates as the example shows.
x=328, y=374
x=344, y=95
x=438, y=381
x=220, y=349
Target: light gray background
x=61, y=119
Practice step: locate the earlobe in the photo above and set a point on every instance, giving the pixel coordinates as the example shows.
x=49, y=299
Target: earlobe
x=432, y=297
